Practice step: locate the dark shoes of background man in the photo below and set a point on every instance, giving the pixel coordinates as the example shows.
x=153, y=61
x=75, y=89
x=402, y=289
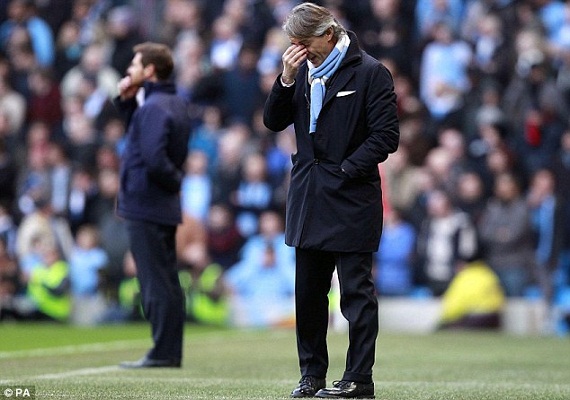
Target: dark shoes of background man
x=146, y=362
x=347, y=390
x=308, y=386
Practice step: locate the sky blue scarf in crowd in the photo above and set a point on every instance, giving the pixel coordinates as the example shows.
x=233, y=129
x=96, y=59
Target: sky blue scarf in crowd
x=318, y=78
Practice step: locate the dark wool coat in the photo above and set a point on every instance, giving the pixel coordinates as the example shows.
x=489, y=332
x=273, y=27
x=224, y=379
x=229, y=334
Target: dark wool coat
x=152, y=163
x=335, y=200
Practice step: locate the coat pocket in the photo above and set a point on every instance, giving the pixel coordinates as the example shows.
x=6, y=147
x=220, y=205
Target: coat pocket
x=136, y=180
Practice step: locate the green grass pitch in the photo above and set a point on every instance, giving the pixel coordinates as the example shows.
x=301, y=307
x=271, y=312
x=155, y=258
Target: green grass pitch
x=65, y=362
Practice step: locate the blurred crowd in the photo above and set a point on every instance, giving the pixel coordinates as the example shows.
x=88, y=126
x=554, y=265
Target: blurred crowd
x=482, y=172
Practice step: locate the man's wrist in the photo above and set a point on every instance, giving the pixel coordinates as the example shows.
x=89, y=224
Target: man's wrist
x=287, y=82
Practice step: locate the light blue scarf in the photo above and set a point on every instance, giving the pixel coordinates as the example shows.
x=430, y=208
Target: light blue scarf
x=318, y=77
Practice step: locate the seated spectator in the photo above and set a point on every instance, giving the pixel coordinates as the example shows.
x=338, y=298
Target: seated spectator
x=60, y=173
x=506, y=235
x=446, y=236
x=240, y=88
x=128, y=306
x=68, y=48
x=547, y=217
x=253, y=194
x=123, y=34
x=471, y=196
x=23, y=14
x=9, y=282
x=112, y=229
x=474, y=298
x=206, y=135
x=83, y=193
x=206, y=297
x=196, y=189
x=223, y=237
x=44, y=103
x=92, y=64
x=233, y=145
x=42, y=229
x=400, y=178
x=189, y=232
x=33, y=179
x=536, y=109
x=81, y=139
x=394, y=257
x=443, y=75
x=13, y=107
x=86, y=261
x=47, y=296
x=262, y=283
x=226, y=42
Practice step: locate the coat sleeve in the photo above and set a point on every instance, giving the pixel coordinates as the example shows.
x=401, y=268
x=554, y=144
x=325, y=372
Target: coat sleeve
x=382, y=124
x=278, y=110
x=126, y=108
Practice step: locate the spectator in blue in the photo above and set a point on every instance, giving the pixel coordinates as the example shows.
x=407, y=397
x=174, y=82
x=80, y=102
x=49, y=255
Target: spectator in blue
x=552, y=14
x=241, y=92
x=263, y=281
x=253, y=195
x=278, y=157
x=86, y=262
x=207, y=134
x=68, y=48
x=546, y=210
x=226, y=42
x=196, y=188
x=394, y=258
x=23, y=13
x=443, y=75
x=561, y=170
x=430, y=13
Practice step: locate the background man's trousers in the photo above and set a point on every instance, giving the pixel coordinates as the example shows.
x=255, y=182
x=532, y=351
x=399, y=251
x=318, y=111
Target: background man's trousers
x=154, y=252
x=359, y=306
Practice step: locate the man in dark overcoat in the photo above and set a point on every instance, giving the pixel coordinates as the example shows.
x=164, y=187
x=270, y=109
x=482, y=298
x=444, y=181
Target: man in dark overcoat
x=343, y=107
x=149, y=198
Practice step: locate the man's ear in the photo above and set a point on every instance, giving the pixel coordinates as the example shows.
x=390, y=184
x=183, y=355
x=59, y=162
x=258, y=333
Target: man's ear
x=149, y=71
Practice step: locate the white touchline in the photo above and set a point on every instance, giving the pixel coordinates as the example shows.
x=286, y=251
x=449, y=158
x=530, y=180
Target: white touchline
x=65, y=374
x=82, y=348
x=78, y=372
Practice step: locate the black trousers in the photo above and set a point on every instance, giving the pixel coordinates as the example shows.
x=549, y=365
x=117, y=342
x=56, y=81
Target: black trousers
x=358, y=303
x=154, y=252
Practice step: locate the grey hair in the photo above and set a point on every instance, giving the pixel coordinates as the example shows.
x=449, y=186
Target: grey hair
x=307, y=20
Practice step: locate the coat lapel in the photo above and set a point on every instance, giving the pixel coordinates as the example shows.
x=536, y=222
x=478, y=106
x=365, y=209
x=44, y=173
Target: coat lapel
x=337, y=84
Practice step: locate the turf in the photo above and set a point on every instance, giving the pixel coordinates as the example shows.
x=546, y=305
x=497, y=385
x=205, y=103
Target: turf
x=64, y=362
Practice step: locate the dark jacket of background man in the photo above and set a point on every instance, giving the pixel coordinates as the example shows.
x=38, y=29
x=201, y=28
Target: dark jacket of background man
x=152, y=172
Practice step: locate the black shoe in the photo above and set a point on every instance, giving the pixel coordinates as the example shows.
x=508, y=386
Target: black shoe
x=308, y=386
x=146, y=362
x=348, y=390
